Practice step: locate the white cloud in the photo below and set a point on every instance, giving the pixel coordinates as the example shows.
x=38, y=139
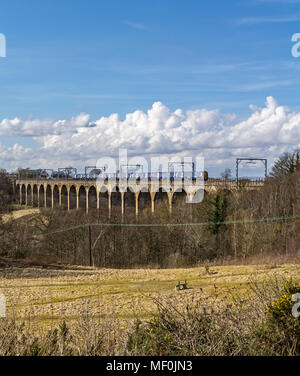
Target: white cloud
x=135, y=25
x=37, y=128
x=220, y=138
x=258, y=20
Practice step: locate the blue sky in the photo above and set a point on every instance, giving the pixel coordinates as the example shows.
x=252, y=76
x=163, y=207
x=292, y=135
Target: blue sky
x=97, y=57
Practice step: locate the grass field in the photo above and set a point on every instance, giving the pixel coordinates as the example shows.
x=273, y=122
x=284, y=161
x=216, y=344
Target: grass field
x=49, y=294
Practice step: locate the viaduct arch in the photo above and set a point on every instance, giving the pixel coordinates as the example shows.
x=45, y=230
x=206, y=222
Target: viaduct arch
x=106, y=196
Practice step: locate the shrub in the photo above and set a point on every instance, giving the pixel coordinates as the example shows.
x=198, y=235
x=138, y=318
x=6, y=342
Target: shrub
x=281, y=330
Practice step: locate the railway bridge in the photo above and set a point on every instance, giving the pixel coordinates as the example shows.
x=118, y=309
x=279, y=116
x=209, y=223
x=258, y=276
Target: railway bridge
x=134, y=194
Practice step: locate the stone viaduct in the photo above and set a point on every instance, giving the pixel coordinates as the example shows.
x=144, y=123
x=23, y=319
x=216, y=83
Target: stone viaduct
x=75, y=194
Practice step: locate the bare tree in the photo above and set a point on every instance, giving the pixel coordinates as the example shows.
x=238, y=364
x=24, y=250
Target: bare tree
x=226, y=174
x=287, y=164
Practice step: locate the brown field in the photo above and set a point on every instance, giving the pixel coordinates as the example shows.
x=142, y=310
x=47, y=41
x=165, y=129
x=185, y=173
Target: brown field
x=46, y=295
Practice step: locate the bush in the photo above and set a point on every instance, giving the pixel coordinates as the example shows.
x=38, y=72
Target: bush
x=191, y=329
x=281, y=330
x=198, y=328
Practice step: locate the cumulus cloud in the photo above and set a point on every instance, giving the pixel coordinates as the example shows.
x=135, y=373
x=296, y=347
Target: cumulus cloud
x=36, y=128
x=220, y=138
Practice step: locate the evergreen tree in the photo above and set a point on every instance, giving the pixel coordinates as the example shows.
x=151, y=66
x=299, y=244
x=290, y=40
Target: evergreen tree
x=219, y=209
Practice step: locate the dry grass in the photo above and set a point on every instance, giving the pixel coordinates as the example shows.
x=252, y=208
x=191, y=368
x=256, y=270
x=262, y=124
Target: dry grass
x=46, y=295
x=17, y=214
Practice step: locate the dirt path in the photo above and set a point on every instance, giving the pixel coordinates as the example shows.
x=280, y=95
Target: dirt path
x=16, y=214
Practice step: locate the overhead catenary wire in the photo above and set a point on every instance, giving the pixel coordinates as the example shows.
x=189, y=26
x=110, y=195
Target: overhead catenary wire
x=242, y=221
